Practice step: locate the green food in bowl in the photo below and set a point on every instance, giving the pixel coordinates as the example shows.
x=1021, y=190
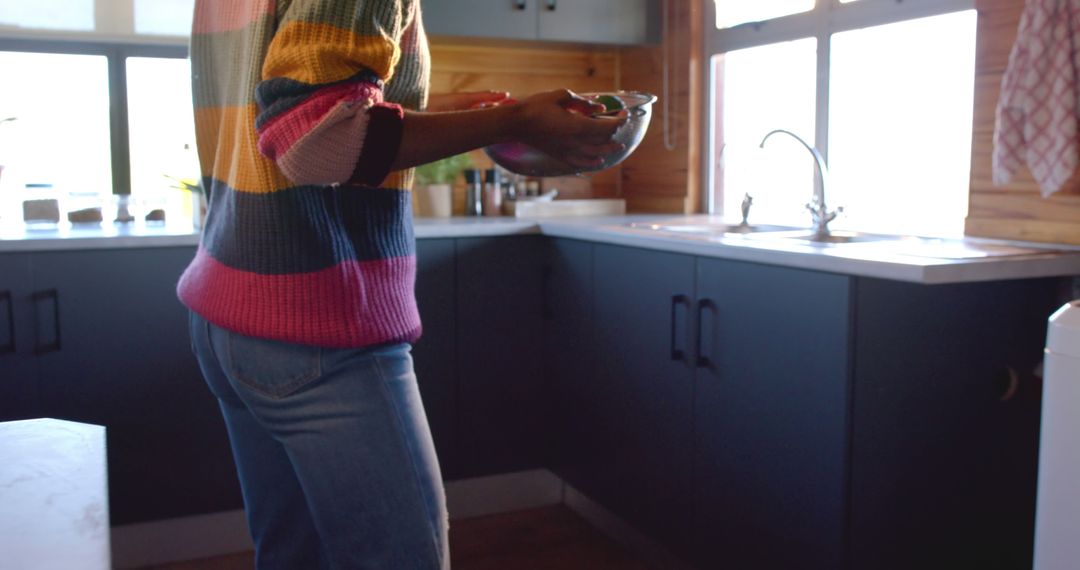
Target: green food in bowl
x=610, y=103
x=523, y=159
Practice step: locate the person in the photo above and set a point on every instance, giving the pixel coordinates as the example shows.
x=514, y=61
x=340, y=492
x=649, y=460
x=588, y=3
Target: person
x=310, y=115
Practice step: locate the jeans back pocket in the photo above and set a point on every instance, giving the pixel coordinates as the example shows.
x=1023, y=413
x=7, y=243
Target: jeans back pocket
x=272, y=368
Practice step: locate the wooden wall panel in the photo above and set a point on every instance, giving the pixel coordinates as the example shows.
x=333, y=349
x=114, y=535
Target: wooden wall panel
x=525, y=68
x=654, y=178
x=1015, y=210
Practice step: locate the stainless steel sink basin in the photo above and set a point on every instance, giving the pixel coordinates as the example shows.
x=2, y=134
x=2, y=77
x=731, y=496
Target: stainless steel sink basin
x=834, y=237
x=861, y=244
x=707, y=229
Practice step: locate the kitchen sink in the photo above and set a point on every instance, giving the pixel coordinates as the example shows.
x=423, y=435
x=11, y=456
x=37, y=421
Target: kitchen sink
x=834, y=237
x=851, y=242
x=717, y=229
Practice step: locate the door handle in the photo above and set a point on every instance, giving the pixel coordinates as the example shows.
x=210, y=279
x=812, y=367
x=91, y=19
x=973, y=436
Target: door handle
x=54, y=296
x=9, y=346
x=551, y=5
x=703, y=360
x=521, y=4
x=676, y=352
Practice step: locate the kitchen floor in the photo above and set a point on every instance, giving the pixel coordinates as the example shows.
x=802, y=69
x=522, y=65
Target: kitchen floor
x=538, y=539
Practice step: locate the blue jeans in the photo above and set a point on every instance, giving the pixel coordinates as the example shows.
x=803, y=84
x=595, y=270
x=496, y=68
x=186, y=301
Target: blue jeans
x=333, y=451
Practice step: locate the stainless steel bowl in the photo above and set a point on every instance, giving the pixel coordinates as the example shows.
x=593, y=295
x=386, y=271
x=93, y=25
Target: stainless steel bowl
x=525, y=160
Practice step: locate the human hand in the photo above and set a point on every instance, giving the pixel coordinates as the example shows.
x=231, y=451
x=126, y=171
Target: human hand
x=467, y=100
x=560, y=124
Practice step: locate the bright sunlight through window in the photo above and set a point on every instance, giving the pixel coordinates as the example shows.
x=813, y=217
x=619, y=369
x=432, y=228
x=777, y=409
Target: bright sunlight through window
x=162, y=144
x=734, y=12
x=900, y=115
x=61, y=135
x=761, y=89
x=899, y=121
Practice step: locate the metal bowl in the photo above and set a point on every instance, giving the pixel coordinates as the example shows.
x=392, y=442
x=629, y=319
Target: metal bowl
x=525, y=160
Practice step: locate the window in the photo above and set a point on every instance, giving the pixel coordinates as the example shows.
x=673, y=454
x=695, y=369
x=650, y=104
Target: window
x=883, y=89
x=162, y=145
x=101, y=97
x=731, y=13
x=763, y=87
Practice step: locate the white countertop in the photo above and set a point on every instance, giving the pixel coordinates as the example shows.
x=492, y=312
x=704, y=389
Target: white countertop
x=55, y=496
x=896, y=260
x=67, y=237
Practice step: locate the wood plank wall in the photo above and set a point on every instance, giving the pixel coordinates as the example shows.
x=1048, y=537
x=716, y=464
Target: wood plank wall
x=1016, y=210
x=657, y=178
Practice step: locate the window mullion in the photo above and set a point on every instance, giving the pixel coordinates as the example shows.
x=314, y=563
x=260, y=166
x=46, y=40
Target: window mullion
x=118, y=122
x=821, y=109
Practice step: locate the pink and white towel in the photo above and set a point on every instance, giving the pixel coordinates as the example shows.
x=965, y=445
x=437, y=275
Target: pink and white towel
x=1038, y=115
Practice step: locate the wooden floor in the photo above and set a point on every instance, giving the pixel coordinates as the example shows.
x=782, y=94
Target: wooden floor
x=550, y=538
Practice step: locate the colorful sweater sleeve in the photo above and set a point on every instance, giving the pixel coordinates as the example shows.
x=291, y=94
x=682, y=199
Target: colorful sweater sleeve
x=322, y=118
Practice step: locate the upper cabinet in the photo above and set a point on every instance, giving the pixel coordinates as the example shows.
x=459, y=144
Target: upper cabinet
x=590, y=21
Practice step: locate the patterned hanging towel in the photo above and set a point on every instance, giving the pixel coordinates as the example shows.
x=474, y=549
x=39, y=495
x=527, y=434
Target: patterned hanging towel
x=1039, y=113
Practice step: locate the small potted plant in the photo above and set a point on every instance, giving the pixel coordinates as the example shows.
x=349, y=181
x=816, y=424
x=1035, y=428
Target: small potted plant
x=435, y=185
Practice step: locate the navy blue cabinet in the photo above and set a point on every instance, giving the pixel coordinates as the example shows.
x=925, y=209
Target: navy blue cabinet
x=946, y=422
x=704, y=401
x=18, y=367
x=109, y=342
x=771, y=416
x=500, y=424
x=435, y=354
x=479, y=362
x=641, y=467
x=578, y=435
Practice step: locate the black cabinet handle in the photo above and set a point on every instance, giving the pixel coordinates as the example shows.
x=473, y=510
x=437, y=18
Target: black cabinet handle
x=552, y=5
x=54, y=296
x=676, y=352
x=703, y=360
x=521, y=4
x=9, y=346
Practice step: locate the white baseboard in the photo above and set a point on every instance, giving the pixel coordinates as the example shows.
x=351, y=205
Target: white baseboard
x=646, y=549
x=503, y=493
x=217, y=534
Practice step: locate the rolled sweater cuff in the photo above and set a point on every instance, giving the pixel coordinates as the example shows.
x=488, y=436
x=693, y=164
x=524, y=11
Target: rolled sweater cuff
x=386, y=123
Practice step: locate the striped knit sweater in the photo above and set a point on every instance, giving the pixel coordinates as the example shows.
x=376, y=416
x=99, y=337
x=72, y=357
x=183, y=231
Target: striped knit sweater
x=298, y=112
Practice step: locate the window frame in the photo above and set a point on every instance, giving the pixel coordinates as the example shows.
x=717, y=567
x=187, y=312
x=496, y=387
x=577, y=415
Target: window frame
x=825, y=19
x=116, y=54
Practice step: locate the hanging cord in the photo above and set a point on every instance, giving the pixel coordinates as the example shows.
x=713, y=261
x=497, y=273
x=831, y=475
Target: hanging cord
x=669, y=125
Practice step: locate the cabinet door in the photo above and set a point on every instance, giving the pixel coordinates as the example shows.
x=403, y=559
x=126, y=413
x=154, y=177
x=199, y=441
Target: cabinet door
x=501, y=425
x=574, y=394
x=512, y=19
x=644, y=398
x=771, y=416
x=18, y=367
x=433, y=355
x=123, y=360
x=599, y=21
x=946, y=423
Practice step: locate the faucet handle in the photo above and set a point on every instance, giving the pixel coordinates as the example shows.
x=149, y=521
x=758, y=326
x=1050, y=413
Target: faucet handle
x=747, y=201
x=821, y=215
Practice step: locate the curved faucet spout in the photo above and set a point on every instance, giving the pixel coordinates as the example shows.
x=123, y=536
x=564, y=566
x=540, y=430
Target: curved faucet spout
x=820, y=213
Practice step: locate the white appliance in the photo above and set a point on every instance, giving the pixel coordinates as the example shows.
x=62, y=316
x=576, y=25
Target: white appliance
x=1057, y=518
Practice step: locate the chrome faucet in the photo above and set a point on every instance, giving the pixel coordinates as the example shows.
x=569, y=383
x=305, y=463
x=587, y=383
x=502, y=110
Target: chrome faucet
x=819, y=213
